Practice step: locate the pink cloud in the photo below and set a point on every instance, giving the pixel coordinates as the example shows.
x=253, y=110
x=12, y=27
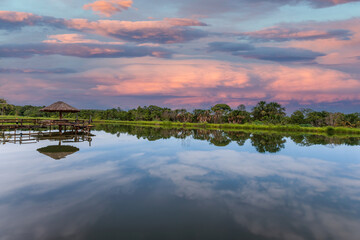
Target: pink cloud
x=16, y=89
x=338, y=40
x=338, y=51
x=165, y=31
x=203, y=82
x=13, y=20
x=188, y=83
x=249, y=9
x=335, y=2
x=74, y=38
x=109, y=7
x=280, y=34
x=309, y=84
x=83, y=50
x=169, y=30
x=178, y=78
x=18, y=17
x=184, y=22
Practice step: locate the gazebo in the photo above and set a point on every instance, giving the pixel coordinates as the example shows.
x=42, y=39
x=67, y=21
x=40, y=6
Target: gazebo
x=60, y=107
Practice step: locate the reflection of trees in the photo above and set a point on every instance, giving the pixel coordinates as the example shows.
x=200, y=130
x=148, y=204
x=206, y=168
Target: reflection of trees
x=263, y=142
x=219, y=138
x=239, y=137
x=308, y=140
x=268, y=142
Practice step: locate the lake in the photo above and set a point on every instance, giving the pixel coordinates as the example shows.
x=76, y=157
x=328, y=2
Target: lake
x=129, y=182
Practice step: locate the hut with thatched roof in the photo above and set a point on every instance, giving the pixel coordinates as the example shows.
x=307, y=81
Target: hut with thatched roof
x=60, y=107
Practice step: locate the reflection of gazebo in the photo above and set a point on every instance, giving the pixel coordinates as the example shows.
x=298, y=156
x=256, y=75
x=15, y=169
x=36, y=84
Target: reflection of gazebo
x=60, y=107
x=58, y=152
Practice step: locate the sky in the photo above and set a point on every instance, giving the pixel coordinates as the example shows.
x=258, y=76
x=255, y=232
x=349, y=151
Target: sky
x=181, y=54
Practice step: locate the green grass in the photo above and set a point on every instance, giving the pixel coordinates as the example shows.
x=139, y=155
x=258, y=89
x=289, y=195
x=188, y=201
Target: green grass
x=258, y=126
x=240, y=127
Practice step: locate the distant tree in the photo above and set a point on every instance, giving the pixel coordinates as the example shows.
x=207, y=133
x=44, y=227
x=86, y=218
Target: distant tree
x=335, y=119
x=221, y=107
x=3, y=105
x=259, y=111
x=238, y=116
x=352, y=120
x=220, y=112
x=275, y=111
x=181, y=115
x=200, y=115
x=241, y=107
x=297, y=117
x=317, y=119
x=269, y=112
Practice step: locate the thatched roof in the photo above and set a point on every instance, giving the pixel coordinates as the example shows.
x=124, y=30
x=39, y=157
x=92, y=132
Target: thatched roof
x=58, y=152
x=59, y=107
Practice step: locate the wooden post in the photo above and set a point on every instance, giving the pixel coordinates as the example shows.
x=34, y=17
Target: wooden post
x=60, y=115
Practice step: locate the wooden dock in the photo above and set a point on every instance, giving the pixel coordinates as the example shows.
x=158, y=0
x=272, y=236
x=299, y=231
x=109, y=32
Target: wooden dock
x=32, y=124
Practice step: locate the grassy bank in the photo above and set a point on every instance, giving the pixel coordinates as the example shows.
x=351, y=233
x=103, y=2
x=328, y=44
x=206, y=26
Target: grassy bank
x=238, y=127
x=225, y=127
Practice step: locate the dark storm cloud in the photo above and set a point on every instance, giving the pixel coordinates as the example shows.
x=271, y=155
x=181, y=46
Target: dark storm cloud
x=82, y=51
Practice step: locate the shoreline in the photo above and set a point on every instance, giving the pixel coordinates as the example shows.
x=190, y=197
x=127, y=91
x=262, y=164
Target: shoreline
x=223, y=126
x=239, y=127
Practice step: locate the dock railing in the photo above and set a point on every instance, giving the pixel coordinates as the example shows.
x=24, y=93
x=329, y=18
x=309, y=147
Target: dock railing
x=43, y=123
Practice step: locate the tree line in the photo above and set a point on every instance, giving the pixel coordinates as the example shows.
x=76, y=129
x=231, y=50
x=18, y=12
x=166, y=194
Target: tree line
x=263, y=112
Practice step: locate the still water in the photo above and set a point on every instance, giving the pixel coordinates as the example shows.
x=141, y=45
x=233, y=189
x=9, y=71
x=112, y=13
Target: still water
x=148, y=183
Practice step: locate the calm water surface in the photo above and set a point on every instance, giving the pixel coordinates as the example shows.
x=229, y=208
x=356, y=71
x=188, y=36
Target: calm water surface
x=147, y=183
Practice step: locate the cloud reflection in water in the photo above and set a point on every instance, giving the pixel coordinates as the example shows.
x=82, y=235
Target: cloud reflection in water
x=130, y=184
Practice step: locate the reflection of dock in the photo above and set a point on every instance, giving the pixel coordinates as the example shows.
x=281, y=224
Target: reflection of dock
x=34, y=137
